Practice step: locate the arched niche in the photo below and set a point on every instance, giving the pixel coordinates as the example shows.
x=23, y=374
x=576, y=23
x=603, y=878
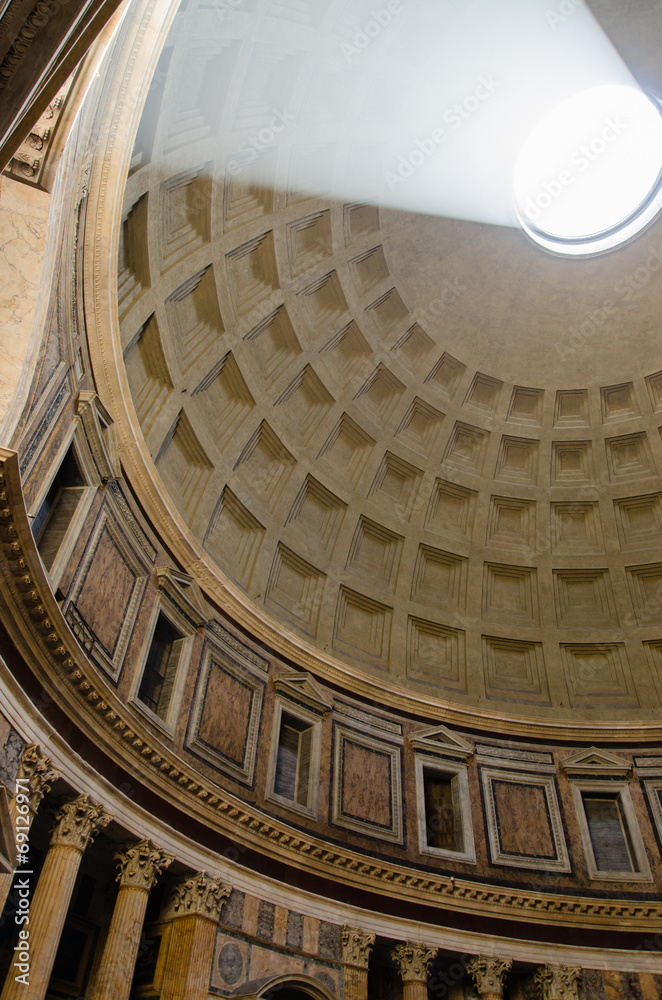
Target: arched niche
x=285, y=987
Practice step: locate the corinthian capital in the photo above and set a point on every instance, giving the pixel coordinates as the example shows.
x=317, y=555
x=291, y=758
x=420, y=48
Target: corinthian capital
x=77, y=822
x=488, y=975
x=558, y=982
x=413, y=961
x=356, y=947
x=200, y=895
x=140, y=864
x=35, y=774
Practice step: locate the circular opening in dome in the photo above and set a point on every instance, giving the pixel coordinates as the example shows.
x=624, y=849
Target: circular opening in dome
x=589, y=176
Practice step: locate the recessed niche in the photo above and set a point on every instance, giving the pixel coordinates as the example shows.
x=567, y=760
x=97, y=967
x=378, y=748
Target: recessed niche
x=318, y=512
x=466, y=448
x=375, y=552
x=347, y=449
x=420, y=427
x=266, y=465
x=350, y=349
x=226, y=398
x=447, y=375
x=451, y=510
x=413, y=349
x=380, y=393
x=396, y=485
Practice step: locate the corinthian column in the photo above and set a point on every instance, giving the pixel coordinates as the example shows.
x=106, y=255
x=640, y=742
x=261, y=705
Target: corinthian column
x=33, y=780
x=558, y=982
x=488, y=975
x=140, y=865
x=356, y=948
x=76, y=823
x=413, y=961
x=194, y=908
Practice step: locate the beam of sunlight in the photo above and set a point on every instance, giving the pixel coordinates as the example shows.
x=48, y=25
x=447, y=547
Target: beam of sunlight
x=421, y=105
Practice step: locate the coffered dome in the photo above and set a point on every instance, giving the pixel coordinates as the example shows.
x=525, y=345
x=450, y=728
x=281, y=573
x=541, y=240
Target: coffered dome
x=420, y=446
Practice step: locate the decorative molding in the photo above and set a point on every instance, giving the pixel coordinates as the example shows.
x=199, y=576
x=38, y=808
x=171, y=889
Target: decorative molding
x=135, y=562
x=35, y=768
x=653, y=788
x=441, y=742
x=311, y=720
x=116, y=496
x=303, y=689
x=558, y=982
x=238, y=647
x=508, y=753
x=488, y=974
x=100, y=433
x=200, y=895
x=645, y=762
x=140, y=865
x=60, y=398
x=31, y=27
x=619, y=791
x=182, y=591
x=365, y=720
x=29, y=161
x=597, y=763
x=243, y=770
x=392, y=829
x=461, y=797
x=413, y=961
x=69, y=679
x=356, y=946
x=77, y=822
x=560, y=861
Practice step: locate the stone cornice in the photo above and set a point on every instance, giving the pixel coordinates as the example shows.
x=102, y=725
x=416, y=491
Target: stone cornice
x=72, y=682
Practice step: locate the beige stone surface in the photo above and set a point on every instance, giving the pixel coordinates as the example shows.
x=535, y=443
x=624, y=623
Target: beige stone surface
x=23, y=219
x=265, y=962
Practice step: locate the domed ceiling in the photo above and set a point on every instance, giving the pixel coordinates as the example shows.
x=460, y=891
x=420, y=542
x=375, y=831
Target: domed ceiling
x=418, y=443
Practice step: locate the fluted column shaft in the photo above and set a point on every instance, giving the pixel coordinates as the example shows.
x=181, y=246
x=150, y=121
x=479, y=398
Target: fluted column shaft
x=356, y=983
x=190, y=958
x=415, y=990
x=115, y=971
x=140, y=864
x=76, y=823
x=33, y=781
x=194, y=907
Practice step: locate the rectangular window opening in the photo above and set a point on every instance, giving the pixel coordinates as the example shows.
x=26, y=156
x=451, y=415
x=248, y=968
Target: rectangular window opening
x=608, y=829
x=57, y=509
x=158, y=677
x=443, y=813
x=293, y=761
